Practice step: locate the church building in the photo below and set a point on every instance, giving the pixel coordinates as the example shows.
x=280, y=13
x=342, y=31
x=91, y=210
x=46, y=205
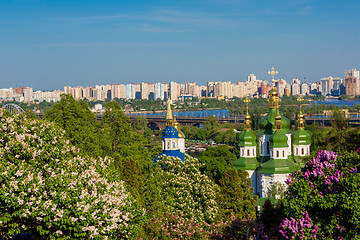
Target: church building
x=173, y=140
x=278, y=155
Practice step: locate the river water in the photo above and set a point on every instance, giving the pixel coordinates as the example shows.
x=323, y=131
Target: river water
x=225, y=112
x=339, y=102
x=199, y=113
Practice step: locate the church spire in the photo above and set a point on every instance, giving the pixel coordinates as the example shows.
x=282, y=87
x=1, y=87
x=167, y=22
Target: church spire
x=169, y=117
x=247, y=116
x=301, y=119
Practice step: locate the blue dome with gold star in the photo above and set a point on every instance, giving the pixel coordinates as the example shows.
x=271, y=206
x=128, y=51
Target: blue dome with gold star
x=170, y=132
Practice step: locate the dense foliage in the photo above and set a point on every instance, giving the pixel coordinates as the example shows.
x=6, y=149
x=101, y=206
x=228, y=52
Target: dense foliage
x=49, y=189
x=236, y=195
x=217, y=160
x=80, y=124
x=185, y=191
x=327, y=188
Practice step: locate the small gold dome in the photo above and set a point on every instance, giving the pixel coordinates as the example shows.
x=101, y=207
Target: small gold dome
x=273, y=93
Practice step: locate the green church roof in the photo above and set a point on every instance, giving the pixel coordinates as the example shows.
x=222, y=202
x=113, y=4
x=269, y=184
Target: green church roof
x=267, y=123
x=301, y=137
x=278, y=139
x=279, y=166
x=246, y=163
x=247, y=138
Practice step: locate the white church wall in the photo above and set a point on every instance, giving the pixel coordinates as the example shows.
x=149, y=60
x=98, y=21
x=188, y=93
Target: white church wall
x=253, y=177
x=267, y=181
x=263, y=143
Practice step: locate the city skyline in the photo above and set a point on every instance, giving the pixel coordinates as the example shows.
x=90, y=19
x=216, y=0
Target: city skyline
x=48, y=45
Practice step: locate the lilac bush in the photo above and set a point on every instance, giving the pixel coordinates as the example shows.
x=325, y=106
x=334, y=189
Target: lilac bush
x=326, y=190
x=299, y=229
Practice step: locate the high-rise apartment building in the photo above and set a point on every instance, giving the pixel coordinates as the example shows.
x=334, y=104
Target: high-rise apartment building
x=147, y=90
x=326, y=86
x=223, y=89
x=192, y=89
x=160, y=90
x=352, y=83
x=238, y=89
x=77, y=92
x=304, y=89
x=264, y=89
x=210, y=89
x=67, y=90
x=88, y=93
x=174, y=89
x=118, y=91
x=130, y=91
x=336, y=90
x=6, y=93
x=281, y=85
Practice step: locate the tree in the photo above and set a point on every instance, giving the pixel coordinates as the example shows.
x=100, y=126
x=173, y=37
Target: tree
x=119, y=136
x=182, y=189
x=327, y=189
x=80, y=124
x=236, y=195
x=217, y=161
x=338, y=121
x=271, y=216
x=49, y=189
x=210, y=126
x=132, y=176
x=139, y=123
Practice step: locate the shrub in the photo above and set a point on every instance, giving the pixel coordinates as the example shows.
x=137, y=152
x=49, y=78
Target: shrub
x=48, y=189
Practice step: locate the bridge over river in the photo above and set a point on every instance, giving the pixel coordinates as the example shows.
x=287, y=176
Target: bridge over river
x=189, y=120
x=158, y=121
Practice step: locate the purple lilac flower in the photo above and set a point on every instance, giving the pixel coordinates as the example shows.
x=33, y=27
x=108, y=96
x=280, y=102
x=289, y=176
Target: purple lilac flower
x=302, y=228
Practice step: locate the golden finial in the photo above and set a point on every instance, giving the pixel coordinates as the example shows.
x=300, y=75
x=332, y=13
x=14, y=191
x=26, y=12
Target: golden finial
x=301, y=120
x=247, y=116
x=169, y=117
x=273, y=72
x=300, y=99
x=247, y=100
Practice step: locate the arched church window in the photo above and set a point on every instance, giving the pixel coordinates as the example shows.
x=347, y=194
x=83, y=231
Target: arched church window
x=277, y=153
x=168, y=145
x=302, y=151
x=253, y=152
x=242, y=152
x=173, y=145
x=297, y=151
x=283, y=153
x=248, y=152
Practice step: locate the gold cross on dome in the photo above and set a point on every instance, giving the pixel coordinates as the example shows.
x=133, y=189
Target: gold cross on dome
x=247, y=100
x=273, y=72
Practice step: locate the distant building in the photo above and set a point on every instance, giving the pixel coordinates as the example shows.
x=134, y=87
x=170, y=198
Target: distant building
x=281, y=85
x=174, y=89
x=304, y=89
x=352, y=83
x=326, y=86
x=336, y=90
x=130, y=91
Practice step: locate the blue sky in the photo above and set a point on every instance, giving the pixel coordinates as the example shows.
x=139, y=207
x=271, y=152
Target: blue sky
x=50, y=44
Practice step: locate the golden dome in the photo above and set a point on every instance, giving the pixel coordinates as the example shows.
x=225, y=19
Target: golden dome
x=274, y=99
